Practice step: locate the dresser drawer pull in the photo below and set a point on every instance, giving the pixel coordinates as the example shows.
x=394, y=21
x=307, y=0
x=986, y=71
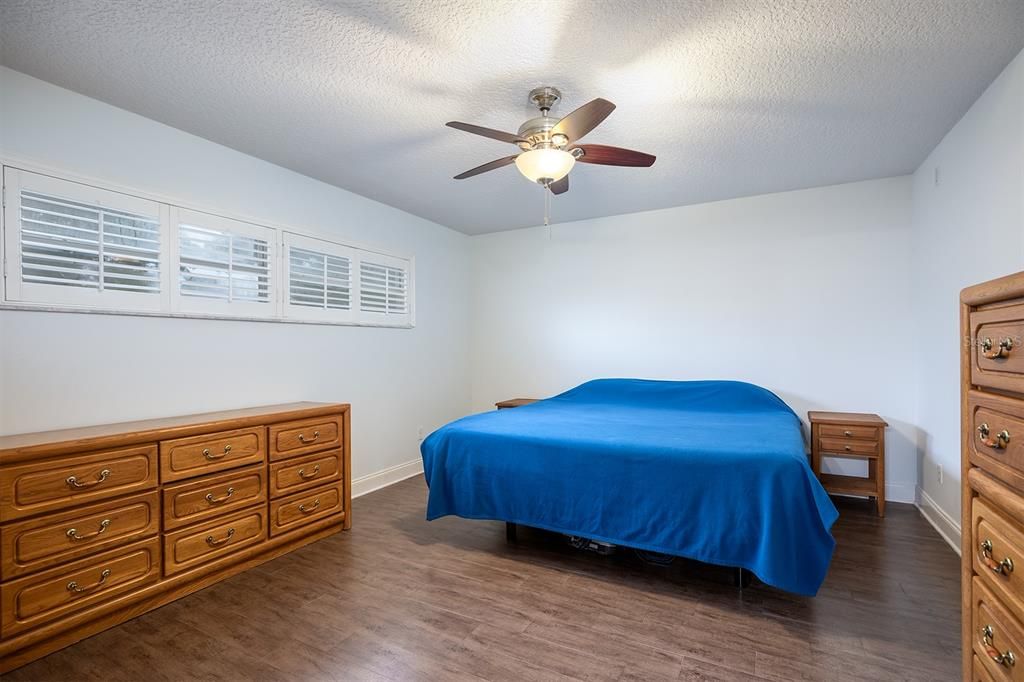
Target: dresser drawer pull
x=848, y=433
x=1004, y=567
x=210, y=456
x=73, y=533
x=73, y=481
x=220, y=500
x=1000, y=442
x=311, y=474
x=1002, y=351
x=1006, y=658
x=303, y=439
x=309, y=510
x=74, y=588
x=213, y=542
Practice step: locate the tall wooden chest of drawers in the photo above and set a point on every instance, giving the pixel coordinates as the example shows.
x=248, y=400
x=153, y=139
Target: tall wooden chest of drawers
x=101, y=524
x=992, y=467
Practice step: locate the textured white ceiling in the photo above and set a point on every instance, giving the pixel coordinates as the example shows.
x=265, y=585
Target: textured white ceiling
x=735, y=97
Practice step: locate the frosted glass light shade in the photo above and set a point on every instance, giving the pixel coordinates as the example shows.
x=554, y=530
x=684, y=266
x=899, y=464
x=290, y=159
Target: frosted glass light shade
x=545, y=164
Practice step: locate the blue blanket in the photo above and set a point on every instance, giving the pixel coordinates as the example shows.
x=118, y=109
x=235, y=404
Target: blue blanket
x=710, y=470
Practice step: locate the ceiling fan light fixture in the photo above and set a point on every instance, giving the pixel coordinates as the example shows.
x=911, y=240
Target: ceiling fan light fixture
x=545, y=165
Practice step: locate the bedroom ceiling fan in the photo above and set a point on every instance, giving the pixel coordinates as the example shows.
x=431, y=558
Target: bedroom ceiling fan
x=549, y=146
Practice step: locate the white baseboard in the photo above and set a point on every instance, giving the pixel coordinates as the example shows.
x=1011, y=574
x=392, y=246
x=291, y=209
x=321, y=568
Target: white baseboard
x=386, y=477
x=946, y=525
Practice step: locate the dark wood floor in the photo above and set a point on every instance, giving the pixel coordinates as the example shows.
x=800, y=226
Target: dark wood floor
x=398, y=598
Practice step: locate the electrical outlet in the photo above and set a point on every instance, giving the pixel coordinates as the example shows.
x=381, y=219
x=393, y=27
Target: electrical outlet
x=940, y=474
x=419, y=433
x=938, y=178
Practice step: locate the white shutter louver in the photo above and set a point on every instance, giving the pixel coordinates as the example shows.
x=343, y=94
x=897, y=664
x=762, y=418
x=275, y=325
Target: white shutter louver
x=67, y=243
x=223, y=266
x=319, y=280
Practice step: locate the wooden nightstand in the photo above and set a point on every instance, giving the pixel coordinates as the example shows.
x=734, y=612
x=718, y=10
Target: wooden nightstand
x=852, y=435
x=515, y=402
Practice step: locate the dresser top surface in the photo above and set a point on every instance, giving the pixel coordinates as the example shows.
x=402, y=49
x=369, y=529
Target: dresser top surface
x=27, y=446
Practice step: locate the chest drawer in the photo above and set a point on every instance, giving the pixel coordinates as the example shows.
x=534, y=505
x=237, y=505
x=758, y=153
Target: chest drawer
x=195, y=545
x=37, y=599
x=997, y=352
x=999, y=554
x=995, y=426
x=290, y=439
x=50, y=485
x=842, y=431
x=213, y=496
x=301, y=473
x=297, y=510
x=187, y=457
x=36, y=544
x=997, y=636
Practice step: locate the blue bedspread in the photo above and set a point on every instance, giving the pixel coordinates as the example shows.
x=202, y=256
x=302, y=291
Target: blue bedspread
x=711, y=470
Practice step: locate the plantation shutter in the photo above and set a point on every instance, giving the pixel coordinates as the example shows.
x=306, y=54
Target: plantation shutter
x=80, y=245
x=319, y=277
x=384, y=289
x=224, y=265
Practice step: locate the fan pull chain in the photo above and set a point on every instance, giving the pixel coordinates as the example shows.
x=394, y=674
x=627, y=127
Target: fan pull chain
x=547, y=207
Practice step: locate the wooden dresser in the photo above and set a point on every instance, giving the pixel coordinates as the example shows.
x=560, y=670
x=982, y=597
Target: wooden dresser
x=101, y=524
x=992, y=464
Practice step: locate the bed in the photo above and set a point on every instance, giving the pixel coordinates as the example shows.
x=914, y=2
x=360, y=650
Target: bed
x=709, y=470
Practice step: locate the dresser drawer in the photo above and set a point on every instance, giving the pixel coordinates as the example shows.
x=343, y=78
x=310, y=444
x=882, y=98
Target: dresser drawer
x=995, y=633
x=210, y=453
x=294, y=512
x=998, y=551
x=290, y=439
x=37, y=599
x=301, y=473
x=848, y=446
x=978, y=671
x=997, y=352
x=56, y=484
x=36, y=544
x=842, y=431
x=195, y=545
x=996, y=435
x=213, y=496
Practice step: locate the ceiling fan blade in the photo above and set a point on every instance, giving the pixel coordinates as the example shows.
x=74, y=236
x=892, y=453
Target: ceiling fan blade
x=614, y=156
x=489, y=166
x=583, y=120
x=560, y=186
x=486, y=132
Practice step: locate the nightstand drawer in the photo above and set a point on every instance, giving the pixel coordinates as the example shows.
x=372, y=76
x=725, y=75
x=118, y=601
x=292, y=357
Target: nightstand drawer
x=841, y=431
x=848, y=446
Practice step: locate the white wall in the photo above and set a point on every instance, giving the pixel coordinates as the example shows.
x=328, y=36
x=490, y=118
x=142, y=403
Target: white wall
x=806, y=293
x=968, y=227
x=60, y=370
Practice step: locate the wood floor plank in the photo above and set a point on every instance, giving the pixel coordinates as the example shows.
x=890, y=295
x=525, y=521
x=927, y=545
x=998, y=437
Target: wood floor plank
x=398, y=598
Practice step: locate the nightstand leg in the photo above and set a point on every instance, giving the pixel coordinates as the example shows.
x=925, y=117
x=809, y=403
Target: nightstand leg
x=876, y=472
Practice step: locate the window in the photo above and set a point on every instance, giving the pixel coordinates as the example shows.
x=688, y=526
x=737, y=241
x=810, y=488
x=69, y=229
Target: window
x=319, y=278
x=75, y=246
x=383, y=289
x=224, y=265
x=79, y=245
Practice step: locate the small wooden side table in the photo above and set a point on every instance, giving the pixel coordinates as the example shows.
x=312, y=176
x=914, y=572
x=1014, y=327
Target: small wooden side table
x=851, y=435
x=514, y=402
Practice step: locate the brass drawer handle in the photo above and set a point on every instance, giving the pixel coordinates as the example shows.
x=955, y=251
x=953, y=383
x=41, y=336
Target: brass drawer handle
x=1002, y=351
x=75, y=483
x=210, y=456
x=1006, y=658
x=1000, y=442
x=213, y=543
x=847, y=448
x=309, y=510
x=73, y=586
x=1004, y=567
x=73, y=533
x=848, y=434
x=220, y=500
x=303, y=439
x=311, y=474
